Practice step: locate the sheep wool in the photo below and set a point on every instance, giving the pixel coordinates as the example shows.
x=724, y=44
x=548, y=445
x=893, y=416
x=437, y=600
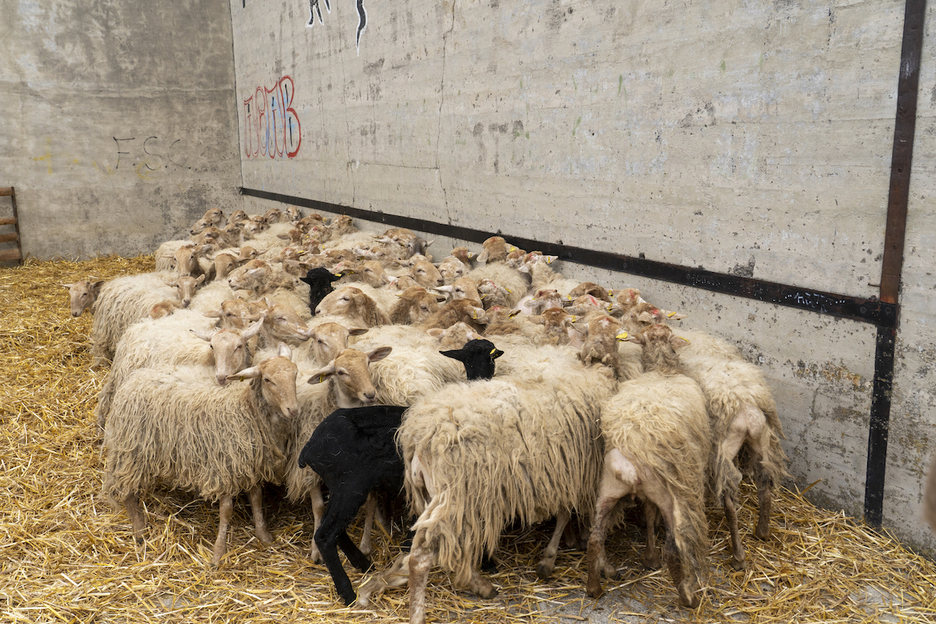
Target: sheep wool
x=659, y=422
x=211, y=440
x=502, y=450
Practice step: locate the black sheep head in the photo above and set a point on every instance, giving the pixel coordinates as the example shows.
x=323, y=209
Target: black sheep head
x=478, y=357
x=320, y=282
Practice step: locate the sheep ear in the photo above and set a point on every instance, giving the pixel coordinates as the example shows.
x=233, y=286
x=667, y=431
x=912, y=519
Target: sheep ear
x=455, y=354
x=212, y=314
x=435, y=332
x=537, y=319
x=357, y=331
x=201, y=278
x=247, y=373
x=322, y=375
x=378, y=354
x=678, y=342
x=284, y=351
x=675, y=316
x=254, y=329
x=206, y=336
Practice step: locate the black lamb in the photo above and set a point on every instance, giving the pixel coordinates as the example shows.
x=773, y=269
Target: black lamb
x=354, y=452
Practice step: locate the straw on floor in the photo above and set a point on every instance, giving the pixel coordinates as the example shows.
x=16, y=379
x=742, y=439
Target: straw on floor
x=66, y=556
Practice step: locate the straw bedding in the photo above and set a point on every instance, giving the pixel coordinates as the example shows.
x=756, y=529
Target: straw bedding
x=66, y=556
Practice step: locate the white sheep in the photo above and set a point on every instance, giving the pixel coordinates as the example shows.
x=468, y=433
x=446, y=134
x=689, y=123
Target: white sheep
x=657, y=442
x=184, y=339
x=344, y=382
x=165, y=428
x=125, y=300
x=481, y=455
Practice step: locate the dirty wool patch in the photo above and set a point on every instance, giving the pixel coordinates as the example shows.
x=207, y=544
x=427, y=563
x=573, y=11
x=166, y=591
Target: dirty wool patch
x=66, y=556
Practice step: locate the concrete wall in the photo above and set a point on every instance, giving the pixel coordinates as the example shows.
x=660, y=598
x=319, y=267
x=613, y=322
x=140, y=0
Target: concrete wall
x=119, y=121
x=746, y=138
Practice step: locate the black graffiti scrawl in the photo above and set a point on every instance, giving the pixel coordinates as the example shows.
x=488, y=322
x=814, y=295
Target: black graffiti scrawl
x=315, y=8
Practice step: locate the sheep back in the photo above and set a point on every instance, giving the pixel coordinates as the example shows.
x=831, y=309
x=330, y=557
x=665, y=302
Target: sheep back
x=659, y=422
x=500, y=451
x=163, y=428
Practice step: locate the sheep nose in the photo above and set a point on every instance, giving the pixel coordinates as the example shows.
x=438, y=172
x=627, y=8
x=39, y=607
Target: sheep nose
x=370, y=396
x=186, y=302
x=222, y=379
x=76, y=314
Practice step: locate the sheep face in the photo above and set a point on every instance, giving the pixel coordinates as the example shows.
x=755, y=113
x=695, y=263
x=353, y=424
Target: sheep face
x=478, y=357
x=185, y=287
x=415, y=305
x=329, y=339
x=229, y=349
x=214, y=216
x=453, y=337
x=250, y=276
x=82, y=295
x=426, y=274
x=350, y=375
x=234, y=313
x=293, y=213
x=451, y=269
x=200, y=226
x=277, y=379
x=283, y=324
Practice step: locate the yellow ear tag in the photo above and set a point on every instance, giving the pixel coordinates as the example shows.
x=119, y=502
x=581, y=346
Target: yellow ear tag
x=622, y=336
x=321, y=378
x=574, y=318
x=671, y=314
x=513, y=249
x=687, y=342
x=514, y=313
x=493, y=351
x=509, y=292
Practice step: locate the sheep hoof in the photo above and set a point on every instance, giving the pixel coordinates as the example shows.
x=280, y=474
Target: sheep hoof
x=265, y=538
x=687, y=597
x=762, y=532
x=489, y=594
x=594, y=592
x=739, y=564
x=543, y=571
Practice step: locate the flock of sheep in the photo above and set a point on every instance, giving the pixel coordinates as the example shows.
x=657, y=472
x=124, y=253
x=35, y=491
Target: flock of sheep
x=254, y=331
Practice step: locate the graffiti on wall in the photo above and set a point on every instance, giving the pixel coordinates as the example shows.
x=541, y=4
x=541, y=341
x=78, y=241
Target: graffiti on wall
x=271, y=126
x=315, y=9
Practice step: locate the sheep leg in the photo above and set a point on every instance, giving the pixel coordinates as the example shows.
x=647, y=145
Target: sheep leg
x=652, y=552
x=731, y=517
x=331, y=535
x=764, y=486
x=618, y=479
x=137, y=520
x=684, y=586
x=577, y=539
x=421, y=559
x=318, y=512
x=548, y=562
x=597, y=560
x=397, y=575
x=256, y=507
x=225, y=511
x=480, y=586
x=370, y=510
